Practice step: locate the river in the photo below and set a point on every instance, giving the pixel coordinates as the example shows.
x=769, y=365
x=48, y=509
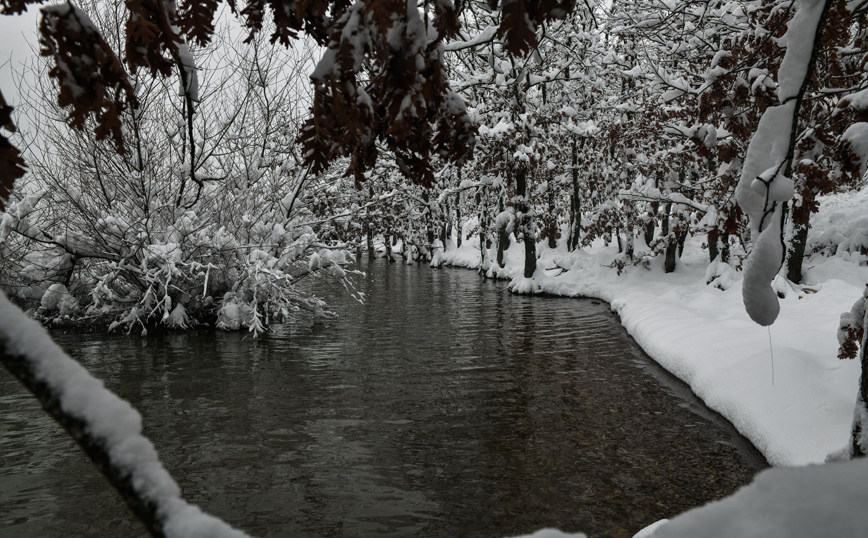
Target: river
x=442, y=407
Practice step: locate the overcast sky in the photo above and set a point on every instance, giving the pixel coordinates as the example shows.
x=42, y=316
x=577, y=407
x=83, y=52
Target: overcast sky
x=19, y=46
x=15, y=32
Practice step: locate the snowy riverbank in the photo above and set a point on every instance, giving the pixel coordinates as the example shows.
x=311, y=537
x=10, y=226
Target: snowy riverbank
x=795, y=400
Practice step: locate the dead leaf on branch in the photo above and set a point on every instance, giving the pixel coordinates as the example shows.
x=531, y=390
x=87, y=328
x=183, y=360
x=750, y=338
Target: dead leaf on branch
x=12, y=165
x=196, y=20
x=521, y=18
x=91, y=80
x=404, y=97
x=152, y=41
x=313, y=17
x=406, y=102
x=16, y=7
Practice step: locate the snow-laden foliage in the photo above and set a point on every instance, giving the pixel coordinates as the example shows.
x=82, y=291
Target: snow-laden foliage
x=163, y=235
x=766, y=183
x=851, y=343
x=630, y=122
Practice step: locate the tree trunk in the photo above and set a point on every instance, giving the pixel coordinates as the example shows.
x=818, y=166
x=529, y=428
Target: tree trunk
x=458, y=222
x=482, y=225
x=67, y=280
x=387, y=239
x=369, y=236
x=525, y=223
x=529, y=254
x=858, y=447
x=652, y=222
x=628, y=237
x=575, y=202
x=502, y=244
x=552, y=221
x=713, y=250
x=664, y=225
x=655, y=207
x=502, y=235
x=682, y=238
x=446, y=229
x=430, y=227
x=801, y=223
x=671, y=247
x=671, y=244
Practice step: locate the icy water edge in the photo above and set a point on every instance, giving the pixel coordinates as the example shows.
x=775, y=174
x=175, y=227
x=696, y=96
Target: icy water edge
x=444, y=406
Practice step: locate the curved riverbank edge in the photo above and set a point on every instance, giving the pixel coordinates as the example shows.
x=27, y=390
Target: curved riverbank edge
x=793, y=400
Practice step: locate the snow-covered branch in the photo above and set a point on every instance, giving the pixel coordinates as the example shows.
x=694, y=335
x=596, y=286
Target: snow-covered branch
x=654, y=195
x=766, y=183
x=484, y=36
x=465, y=185
x=106, y=427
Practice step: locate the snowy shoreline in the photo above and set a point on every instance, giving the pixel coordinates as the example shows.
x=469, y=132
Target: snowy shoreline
x=793, y=402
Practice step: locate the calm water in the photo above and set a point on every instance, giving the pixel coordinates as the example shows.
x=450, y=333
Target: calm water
x=441, y=407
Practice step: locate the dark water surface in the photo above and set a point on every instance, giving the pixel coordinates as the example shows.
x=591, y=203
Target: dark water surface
x=442, y=407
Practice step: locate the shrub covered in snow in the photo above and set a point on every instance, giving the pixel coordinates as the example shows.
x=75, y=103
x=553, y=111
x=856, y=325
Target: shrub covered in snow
x=208, y=217
x=177, y=269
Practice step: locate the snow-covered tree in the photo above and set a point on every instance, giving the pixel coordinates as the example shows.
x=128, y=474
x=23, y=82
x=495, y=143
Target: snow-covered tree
x=203, y=219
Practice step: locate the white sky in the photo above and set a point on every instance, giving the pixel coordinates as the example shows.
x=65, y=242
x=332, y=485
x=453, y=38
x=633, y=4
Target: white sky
x=15, y=32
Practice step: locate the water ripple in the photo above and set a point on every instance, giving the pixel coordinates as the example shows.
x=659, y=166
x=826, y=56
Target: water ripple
x=442, y=407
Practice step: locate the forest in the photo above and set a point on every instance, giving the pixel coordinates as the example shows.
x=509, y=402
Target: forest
x=196, y=165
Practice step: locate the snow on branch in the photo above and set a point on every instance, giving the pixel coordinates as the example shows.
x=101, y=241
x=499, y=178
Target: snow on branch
x=654, y=195
x=484, y=36
x=106, y=427
x=465, y=185
x=766, y=183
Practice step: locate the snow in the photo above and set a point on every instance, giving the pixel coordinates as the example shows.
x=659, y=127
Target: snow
x=669, y=95
x=795, y=407
x=813, y=501
x=799, y=41
x=189, y=83
x=109, y=419
x=857, y=100
x=552, y=533
x=857, y=136
x=649, y=530
x=57, y=298
x=762, y=186
x=502, y=127
x=765, y=156
x=760, y=299
x=177, y=318
x=483, y=37
x=766, y=151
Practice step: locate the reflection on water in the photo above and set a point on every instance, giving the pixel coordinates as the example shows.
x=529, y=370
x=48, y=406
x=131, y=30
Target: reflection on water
x=442, y=407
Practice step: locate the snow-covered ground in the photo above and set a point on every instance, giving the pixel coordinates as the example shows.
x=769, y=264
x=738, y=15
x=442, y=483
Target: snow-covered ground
x=783, y=388
x=803, y=502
